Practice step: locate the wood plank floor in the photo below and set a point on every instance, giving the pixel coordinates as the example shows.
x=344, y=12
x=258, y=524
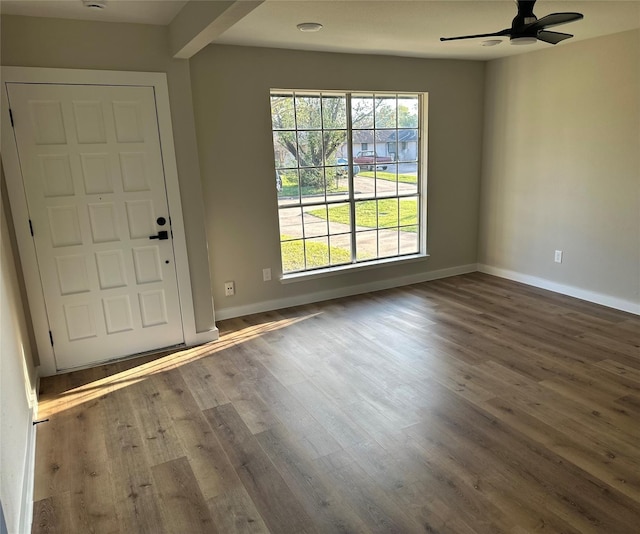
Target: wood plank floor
x=465, y=405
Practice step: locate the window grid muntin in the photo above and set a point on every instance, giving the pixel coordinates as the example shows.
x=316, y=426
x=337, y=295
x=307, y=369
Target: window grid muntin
x=417, y=193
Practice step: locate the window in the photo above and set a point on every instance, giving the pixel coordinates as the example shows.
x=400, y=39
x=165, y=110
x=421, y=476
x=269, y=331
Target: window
x=339, y=204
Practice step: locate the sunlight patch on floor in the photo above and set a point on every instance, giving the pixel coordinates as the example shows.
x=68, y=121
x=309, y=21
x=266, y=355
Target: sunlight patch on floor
x=55, y=403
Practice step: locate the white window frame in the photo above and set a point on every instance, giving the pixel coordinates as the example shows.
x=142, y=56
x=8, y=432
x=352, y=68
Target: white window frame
x=421, y=192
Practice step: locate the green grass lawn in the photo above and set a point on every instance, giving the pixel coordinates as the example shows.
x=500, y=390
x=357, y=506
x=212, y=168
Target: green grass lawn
x=384, y=214
x=391, y=177
x=290, y=187
x=317, y=255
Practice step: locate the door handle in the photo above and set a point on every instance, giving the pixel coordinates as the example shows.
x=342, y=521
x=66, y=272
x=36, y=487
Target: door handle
x=162, y=235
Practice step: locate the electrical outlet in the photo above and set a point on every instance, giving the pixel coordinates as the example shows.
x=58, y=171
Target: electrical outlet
x=558, y=257
x=266, y=274
x=229, y=289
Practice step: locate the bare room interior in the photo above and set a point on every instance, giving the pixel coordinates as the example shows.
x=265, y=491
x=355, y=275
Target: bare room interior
x=288, y=266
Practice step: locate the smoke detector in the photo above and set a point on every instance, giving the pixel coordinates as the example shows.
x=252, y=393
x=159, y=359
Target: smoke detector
x=309, y=26
x=94, y=4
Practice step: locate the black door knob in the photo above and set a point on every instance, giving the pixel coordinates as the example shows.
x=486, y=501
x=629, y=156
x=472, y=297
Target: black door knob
x=162, y=235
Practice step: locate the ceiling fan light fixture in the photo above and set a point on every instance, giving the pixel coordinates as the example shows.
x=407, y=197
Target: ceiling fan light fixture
x=309, y=26
x=523, y=41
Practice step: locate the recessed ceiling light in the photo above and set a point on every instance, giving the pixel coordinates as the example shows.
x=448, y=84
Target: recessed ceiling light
x=491, y=42
x=95, y=4
x=309, y=26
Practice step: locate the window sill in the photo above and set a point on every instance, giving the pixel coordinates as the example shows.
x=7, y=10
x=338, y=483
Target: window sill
x=342, y=269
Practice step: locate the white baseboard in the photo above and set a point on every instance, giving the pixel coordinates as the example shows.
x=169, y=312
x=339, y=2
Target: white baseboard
x=278, y=304
x=28, y=481
x=571, y=291
x=200, y=338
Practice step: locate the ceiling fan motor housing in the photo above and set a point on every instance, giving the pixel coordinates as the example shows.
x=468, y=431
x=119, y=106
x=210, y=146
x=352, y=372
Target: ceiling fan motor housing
x=524, y=17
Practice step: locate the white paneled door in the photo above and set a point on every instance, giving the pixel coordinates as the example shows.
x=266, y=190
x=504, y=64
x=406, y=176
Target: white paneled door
x=94, y=181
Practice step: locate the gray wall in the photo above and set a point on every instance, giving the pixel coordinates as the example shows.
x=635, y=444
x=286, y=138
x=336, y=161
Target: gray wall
x=59, y=43
x=231, y=98
x=17, y=382
x=561, y=166
x=573, y=189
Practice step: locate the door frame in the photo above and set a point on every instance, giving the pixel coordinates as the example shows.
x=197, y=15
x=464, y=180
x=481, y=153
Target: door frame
x=20, y=212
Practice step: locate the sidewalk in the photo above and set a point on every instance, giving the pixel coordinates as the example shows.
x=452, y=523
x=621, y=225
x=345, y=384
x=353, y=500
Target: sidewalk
x=390, y=242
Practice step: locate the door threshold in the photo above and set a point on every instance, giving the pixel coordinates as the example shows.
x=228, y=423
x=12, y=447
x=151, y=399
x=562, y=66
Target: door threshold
x=156, y=353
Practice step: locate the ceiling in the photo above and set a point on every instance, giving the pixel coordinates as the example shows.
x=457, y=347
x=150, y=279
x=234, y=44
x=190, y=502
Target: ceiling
x=159, y=12
x=395, y=27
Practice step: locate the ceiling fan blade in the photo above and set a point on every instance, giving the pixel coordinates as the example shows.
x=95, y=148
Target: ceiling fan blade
x=501, y=33
x=554, y=19
x=553, y=37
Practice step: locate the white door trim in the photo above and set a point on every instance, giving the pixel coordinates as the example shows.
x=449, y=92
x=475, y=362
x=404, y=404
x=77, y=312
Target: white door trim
x=18, y=201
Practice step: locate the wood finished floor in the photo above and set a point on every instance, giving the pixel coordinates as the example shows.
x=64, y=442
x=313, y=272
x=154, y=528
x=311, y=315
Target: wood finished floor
x=465, y=405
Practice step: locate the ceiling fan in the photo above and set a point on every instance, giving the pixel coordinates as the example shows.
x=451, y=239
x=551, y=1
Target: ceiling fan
x=526, y=28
